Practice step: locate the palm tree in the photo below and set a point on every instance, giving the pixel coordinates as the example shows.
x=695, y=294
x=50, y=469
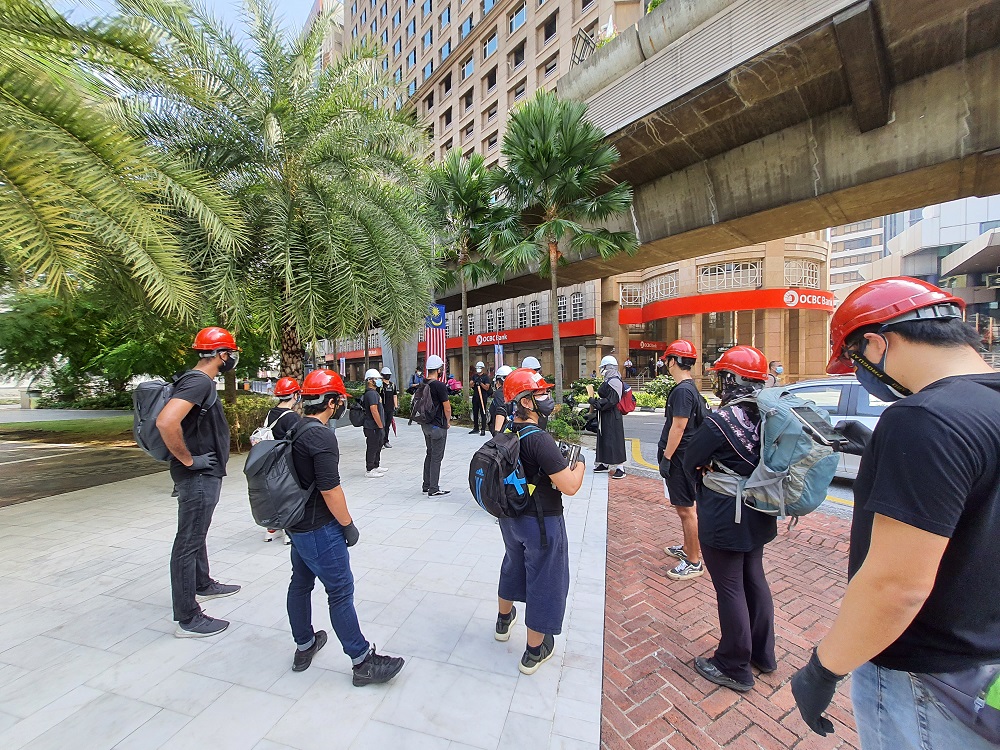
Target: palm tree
x=462, y=191
x=81, y=198
x=328, y=173
x=556, y=176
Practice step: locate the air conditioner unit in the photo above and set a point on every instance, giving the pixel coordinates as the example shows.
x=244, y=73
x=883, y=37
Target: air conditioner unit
x=993, y=281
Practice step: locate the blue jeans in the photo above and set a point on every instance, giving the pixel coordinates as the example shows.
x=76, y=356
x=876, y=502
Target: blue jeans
x=197, y=497
x=322, y=553
x=894, y=711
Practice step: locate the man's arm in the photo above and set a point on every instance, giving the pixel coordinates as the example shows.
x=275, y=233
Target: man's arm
x=168, y=422
x=336, y=501
x=885, y=594
x=375, y=414
x=446, y=405
x=675, y=435
x=569, y=480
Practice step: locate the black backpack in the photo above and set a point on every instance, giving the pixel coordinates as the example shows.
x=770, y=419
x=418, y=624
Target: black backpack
x=497, y=480
x=148, y=400
x=357, y=415
x=423, y=409
x=277, y=500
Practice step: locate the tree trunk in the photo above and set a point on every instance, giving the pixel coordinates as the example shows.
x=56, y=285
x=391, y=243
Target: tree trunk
x=367, y=356
x=292, y=354
x=229, y=388
x=464, y=333
x=554, y=316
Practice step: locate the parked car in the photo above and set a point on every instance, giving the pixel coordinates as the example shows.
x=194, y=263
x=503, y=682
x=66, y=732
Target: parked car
x=843, y=398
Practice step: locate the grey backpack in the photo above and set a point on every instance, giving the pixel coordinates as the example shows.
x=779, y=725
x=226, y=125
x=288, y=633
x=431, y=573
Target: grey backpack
x=148, y=400
x=277, y=500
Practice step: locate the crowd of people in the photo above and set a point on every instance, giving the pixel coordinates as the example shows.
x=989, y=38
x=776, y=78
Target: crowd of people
x=918, y=624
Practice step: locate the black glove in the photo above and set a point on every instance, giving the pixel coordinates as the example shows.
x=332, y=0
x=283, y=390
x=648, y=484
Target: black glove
x=813, y=687
x=351, y=534
x=665, y=467
x=659, y=454
x=203, y=461
x=857, y=437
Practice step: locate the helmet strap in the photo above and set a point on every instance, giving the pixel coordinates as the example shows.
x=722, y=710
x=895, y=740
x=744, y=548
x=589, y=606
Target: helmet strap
x=879, y=370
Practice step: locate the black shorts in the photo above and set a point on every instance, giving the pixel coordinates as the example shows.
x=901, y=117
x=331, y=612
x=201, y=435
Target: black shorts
x=680, y=486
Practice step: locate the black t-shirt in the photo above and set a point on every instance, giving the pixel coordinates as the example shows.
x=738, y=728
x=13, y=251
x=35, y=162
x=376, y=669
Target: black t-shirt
x=439, y=392
x=389, y=392
x=497, y=405
x=478, y=383
x=281, y=421
x=541, y=458
x=684, y=402
x=717, y=527
x=316, y=455
x=370, y=399
x=934, y=463
x=202, y=433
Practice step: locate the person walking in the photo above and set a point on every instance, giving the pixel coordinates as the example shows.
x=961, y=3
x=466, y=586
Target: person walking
x=482, y=392
x=374, y=424
x=532, y=572
x=685, y=411
x=281, y=419
x=774, y=372
x=610, y=422
x=436, y=433
x=415, y=379
x=499, y=408
x=320, y=541
x=195, y=431
x=723, y=450
x=919, y=622
x=390, y=402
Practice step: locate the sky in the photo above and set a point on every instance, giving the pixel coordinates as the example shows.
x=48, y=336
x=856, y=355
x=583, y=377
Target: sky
x=292, y=12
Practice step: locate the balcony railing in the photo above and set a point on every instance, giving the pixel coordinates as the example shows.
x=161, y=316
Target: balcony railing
x=660, y=287
x=802, y=273
x=721, y=276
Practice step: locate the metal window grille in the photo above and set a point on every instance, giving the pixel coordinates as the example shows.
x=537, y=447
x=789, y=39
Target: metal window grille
x=501, y=319
x=803, y=273
x=577, y=306
x=561, y=305
x=659, y=287
x=522, y=315
x=472, y=323
x=630, y=295
x=743, y=275
x=536, y=313
x=489, y=321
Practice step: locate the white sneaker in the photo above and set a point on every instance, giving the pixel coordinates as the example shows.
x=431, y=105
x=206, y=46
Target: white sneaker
x=271, y=534
x=374, y=474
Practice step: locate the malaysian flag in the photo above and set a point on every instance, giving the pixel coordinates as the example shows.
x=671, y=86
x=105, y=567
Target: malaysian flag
x=436, y=333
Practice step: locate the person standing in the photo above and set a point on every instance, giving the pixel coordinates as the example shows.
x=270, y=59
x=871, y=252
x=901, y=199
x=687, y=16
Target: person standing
x=321, y=539
x=610, y=422
x=774, y=372
x=374, y=424
x=628, y=367
x=532, y=572
x=195, y=431
x=684, y=412
x=482, y=392
x=281, y=419
x=499, y=408
x=390, y=402
x=921, y=611
x=531, y=363
x=436, y=432
x=415, y=379
x=723, y=450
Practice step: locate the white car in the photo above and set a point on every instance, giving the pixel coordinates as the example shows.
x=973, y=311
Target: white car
x=844, y=398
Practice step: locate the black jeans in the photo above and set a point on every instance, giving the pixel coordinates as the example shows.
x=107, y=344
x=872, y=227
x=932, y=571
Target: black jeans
x=197, y=497
x=434, y=439
x=389, y=414
x=746, y=611
x=374, y=438
x=480, y=414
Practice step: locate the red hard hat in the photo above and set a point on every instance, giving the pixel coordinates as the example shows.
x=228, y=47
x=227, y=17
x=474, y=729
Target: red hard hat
x=885, y=301
x=286, y=387
x=681, y=348
x=523, y=380
x=743, y=360
x=214, y=338
x=320, y=382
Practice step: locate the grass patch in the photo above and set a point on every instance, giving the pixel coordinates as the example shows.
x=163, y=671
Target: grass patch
x=105, y=430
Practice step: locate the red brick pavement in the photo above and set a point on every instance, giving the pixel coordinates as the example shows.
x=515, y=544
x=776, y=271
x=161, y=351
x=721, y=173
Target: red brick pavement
x=654, y=627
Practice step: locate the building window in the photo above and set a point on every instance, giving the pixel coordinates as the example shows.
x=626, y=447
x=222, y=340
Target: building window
x=857, y=243
x=488, y=6
x=549, y=29
x=491, y=113
x=551, y=66
x=397, y=18
x=448, y=146
x=385, y=65
x=848, y=277
x=585, y=5
x=426, y=9
x=466, y=28
x=490, y=45
x=576, y=313
x=561, y=306
x=445, y=50
x=354, y=33
x=660, y=287
x=468, y=67
x=409, y=4
x=744, y=275
x=429, y=102
x=492, y=141
x=804, y=273
x=445, y=17
x=364, y=17
x=472, y=324
x=428, y=40
x=519, y=91
x=467, y=99
x=446, y=84
x=428, y=69
x=411, y=89
x=354, y=9
x=467, y=133
x=516, y=57
x=489, y=321
x=411, y=58
x=536, y=313
x=397, y=48
x=522, y=315
x=374, y=28
x=501, y=319
x=385, y=37
x=490, y=81
x=411, y=28
x=446, y=117
x=398, y=77
x=384, y=10
x=517, y=18
x=988, y=226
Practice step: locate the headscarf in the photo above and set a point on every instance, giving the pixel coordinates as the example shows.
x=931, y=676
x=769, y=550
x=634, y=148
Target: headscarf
x=613, y=378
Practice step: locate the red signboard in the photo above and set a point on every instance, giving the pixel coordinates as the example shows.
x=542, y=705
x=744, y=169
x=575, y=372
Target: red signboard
x=647, y=346
x=359, y=354
x=754, y=299
x=568, y=329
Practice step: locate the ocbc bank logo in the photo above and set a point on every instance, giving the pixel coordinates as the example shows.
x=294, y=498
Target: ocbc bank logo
x=793, y=299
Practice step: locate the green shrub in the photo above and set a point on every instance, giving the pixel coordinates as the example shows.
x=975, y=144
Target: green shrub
x=245, y=416
x=579, y=388
x=461, y=408
x=644, y=398
x=122, y=400
x=653, y=5
x=405, y=403
x=660, y=386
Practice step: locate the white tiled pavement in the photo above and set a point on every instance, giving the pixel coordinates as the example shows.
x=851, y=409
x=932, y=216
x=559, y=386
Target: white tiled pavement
x=88, y=660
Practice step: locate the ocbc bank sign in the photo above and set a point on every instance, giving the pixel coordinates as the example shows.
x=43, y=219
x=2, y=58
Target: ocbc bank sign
x=490, y=338
x=795, y=298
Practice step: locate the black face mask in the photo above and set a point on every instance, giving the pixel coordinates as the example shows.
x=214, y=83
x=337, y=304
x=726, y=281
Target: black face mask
x=338, y=410
x=544, y=408
x=230, y=362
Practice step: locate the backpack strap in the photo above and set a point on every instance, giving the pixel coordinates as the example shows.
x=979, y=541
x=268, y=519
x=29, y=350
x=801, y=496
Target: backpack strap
x=539, y=514
x=276, y=419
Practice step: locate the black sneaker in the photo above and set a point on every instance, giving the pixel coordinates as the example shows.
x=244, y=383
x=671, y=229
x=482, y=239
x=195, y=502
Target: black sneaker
x=376, y=669
x=504, y=625
x=215, y=590
x=600, y=468
x=303, y=659
x=707, y=669
x=530, y=663
x=438, y=493
x=386, y=445
x=200, y=626
x=676, y=550
x=473, y=431
x=619, y=474
x=482, y=433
